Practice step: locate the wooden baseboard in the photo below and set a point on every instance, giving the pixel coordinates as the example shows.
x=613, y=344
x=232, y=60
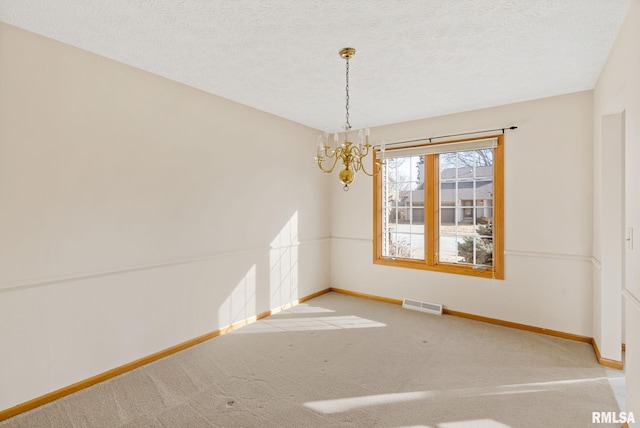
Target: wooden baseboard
x=519, y=326
x=366, y=296
x=476, y=317
x=613, y=364
x=570, y=336
x=55, y=395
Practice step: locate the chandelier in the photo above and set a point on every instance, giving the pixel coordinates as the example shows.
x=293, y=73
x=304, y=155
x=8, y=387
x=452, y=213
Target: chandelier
x=350, y=154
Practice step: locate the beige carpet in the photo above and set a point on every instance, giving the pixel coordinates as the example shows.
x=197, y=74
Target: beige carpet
x=342, y=361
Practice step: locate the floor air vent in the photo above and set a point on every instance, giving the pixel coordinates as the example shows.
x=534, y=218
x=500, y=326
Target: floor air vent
x=417, y=305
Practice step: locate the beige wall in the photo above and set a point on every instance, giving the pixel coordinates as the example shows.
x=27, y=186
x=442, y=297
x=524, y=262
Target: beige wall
x=548, y=222
x=137, y=213
x=617, y=93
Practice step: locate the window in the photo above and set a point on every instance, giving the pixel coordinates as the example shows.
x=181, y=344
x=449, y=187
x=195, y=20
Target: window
x=440, y=207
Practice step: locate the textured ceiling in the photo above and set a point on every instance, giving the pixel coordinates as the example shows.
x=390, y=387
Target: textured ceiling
x=415, y=58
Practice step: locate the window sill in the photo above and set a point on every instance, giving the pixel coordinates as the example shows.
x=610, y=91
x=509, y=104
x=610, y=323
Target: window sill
x=440, y=267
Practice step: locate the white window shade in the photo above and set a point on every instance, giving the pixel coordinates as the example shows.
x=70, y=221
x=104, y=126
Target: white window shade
x=437, y=148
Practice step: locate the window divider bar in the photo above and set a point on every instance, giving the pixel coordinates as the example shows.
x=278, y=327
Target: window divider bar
x=432, y=203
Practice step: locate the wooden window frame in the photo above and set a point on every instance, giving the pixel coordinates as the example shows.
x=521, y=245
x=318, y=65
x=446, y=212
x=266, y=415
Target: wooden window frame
x=432, y=221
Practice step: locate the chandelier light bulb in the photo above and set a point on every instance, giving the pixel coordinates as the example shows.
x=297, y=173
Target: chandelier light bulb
x=320, y=147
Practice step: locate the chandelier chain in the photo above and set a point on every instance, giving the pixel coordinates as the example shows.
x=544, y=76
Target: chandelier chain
x=347, y=124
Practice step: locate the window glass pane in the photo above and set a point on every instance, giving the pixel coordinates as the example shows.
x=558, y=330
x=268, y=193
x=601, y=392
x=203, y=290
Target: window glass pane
x=403, y=207
x=484, y=158
x=448, y=161
x=466, y=207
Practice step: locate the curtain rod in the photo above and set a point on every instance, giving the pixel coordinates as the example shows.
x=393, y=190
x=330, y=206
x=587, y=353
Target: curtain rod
x=447, y=136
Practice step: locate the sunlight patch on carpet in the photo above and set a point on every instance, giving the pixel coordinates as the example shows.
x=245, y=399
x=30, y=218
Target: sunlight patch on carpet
x=476, y=423
x=276, y=325
x=339, y=405
x=303, y=308
x=345, y=404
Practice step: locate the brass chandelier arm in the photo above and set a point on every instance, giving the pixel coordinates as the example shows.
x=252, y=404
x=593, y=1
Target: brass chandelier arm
x=337, y=152
x=375, y=163
x=359, y=153
x=335, y=162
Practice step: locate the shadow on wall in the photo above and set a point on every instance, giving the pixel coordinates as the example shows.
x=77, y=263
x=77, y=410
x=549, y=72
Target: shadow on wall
x=249, y=296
